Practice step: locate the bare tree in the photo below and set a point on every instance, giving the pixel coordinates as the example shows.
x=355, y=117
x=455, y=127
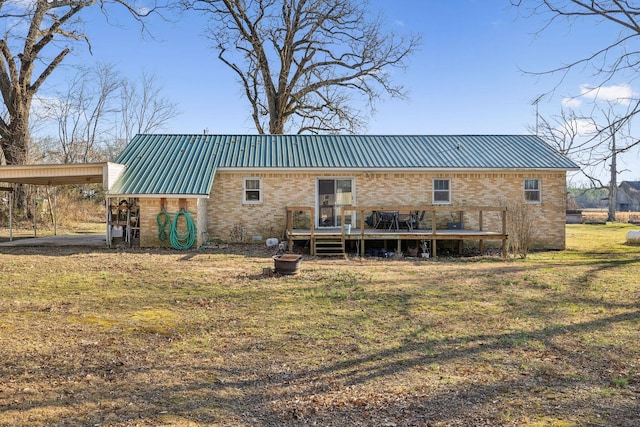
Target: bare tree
x=99, y=112
x=613, y=181
x=560, y=131
x=143, y=109
x=611, y=130
x=594, y=141
x=302, y=63
x=39, y=35
x=521, y=226
x=81, y=113
x=613, y=59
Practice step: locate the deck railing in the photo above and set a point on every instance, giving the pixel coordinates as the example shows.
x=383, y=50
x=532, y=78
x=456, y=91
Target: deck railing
x=429, y=214
x=433, y=210
x=290, y=213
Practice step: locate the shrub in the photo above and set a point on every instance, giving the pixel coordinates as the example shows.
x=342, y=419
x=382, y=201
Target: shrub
x=520, y=226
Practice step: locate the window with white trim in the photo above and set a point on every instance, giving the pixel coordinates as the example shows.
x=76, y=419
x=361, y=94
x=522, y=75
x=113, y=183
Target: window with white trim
x=441, y=191
x=251, y=190
x=532, y=190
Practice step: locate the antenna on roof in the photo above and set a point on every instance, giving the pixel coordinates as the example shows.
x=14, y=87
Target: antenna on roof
x=205, y=131
x=535, y=102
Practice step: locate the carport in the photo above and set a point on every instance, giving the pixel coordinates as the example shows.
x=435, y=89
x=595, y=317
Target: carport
x=57, y=174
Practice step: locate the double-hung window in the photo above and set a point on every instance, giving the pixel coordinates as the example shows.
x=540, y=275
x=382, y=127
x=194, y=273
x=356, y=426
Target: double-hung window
x=532, y=190
x=251, y=190
x=441, y=191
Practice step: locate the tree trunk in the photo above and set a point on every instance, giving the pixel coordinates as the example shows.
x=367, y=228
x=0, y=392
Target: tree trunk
x=15, y=147
x=276, y=127
x=613, y=183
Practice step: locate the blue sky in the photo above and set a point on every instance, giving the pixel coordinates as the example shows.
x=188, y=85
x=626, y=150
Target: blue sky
x=467, y=77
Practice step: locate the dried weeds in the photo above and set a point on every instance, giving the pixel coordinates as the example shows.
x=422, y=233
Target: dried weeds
x=157, y=337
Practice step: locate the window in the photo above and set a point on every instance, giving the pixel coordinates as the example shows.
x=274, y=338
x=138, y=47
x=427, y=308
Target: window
x=532, y=190
x=251, y=190
x=441, y=191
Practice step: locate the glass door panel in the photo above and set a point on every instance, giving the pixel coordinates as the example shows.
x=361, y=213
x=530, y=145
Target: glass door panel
x=326, y=203
x=332, y=195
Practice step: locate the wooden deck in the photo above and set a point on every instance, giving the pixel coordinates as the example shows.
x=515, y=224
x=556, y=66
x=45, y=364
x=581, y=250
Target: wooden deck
x=362, y=234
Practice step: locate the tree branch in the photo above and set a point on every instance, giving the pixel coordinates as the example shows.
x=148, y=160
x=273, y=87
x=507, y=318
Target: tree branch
x=287, y=52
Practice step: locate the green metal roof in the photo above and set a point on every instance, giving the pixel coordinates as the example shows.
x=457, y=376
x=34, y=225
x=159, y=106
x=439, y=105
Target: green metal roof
x=186, y=164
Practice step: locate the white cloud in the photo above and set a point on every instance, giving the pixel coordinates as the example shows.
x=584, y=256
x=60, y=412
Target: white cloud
x=572, y=103
x=619, y=94
x=584, y=127
x=577, y=127
x=43, y=106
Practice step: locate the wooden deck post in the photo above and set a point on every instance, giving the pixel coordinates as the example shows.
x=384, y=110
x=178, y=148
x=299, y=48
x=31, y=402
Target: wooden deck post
x=434, y=226
x=362, y=233
x=289, y=216
x=480, y=227
x=460, y=245
x=504, y=233
x=312, y=220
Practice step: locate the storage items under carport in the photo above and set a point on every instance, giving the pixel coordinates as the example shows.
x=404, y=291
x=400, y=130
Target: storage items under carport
x=123, y=222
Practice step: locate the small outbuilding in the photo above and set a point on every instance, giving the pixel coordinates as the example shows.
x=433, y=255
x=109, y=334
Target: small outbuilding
x=628, y=196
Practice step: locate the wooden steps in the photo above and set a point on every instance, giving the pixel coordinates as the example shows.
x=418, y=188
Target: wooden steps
x=329, y=246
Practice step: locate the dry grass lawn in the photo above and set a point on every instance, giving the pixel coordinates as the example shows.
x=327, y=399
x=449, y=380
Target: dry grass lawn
x=201, y=338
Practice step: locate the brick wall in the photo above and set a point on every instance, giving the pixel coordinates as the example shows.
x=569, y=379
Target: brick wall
x=228, y=218
x=151, y=207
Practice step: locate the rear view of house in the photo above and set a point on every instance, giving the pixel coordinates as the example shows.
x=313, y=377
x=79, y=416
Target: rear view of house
x=253, y=187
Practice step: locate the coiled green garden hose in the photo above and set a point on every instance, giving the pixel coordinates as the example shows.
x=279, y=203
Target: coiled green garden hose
x=163, y=220
x=185, y=239
x=178, y=239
